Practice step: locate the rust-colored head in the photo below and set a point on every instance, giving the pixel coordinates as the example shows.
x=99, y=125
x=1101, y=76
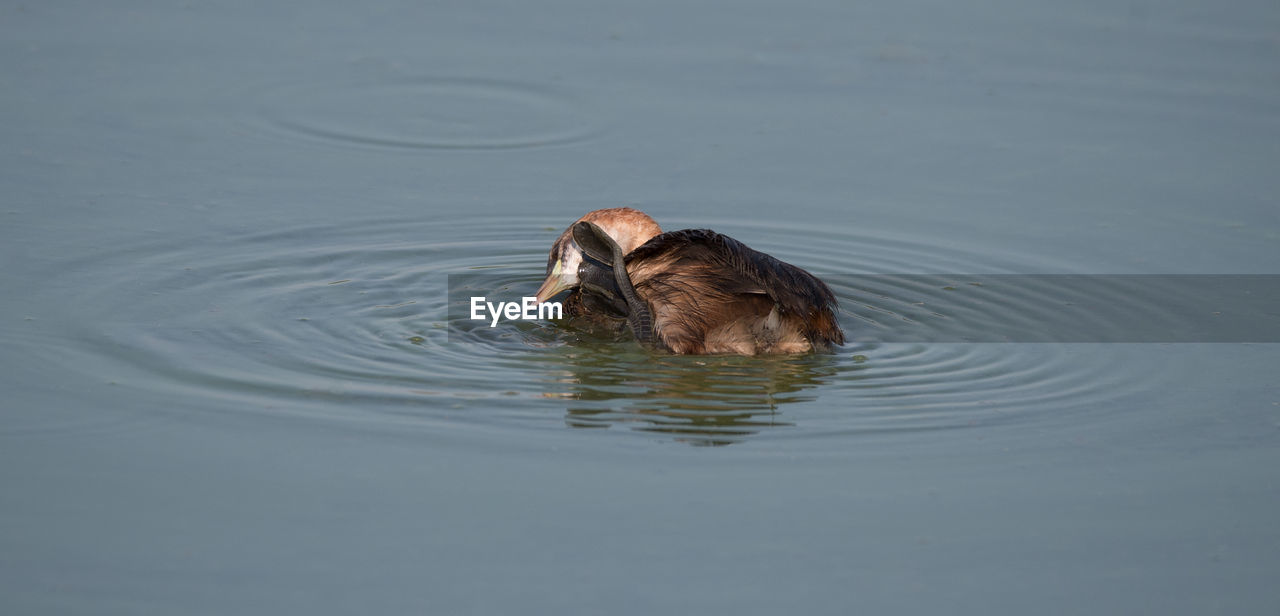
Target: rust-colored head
x=628, y=227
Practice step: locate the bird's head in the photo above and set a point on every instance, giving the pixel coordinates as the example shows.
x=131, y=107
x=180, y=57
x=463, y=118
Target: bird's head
x=629, y=228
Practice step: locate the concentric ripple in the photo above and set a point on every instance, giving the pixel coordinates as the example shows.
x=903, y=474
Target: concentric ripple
x=398, y=112
x=350, y=323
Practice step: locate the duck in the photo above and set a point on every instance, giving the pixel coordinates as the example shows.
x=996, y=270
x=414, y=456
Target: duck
x=687, y=292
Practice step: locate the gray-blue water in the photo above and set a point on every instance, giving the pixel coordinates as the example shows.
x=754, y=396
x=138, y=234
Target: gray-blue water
x=230, y=385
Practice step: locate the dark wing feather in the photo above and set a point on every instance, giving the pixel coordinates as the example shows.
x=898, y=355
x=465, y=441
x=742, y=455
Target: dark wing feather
x=724, y=266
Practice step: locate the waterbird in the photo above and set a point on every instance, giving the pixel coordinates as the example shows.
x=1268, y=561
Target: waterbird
x=692, y=291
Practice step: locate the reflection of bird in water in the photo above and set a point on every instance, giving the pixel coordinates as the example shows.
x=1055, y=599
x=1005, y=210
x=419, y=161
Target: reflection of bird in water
x=700, y=400
x=692, y=291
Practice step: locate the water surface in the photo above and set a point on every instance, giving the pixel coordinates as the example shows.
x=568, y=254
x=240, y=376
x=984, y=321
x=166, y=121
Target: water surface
x=232, y=382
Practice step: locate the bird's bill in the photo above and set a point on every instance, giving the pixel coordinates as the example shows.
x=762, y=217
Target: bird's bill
x=554, y=284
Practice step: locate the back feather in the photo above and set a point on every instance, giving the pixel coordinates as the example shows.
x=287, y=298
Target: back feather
x=687, y=269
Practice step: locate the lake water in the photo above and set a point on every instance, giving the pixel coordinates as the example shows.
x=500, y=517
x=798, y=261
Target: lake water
x=232, y=382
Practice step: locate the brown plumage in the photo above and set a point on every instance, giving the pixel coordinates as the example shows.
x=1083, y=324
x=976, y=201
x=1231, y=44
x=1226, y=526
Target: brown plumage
x=692, y=291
